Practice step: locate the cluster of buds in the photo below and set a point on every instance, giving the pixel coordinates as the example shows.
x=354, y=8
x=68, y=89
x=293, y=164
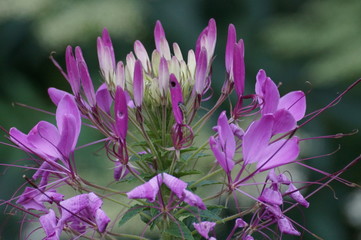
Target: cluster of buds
x=160, y=97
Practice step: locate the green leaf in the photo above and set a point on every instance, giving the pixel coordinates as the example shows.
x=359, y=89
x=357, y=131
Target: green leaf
x=210, y=214
x=186, y=173
x=131, y=213
x=179, y=230
x=205, y=183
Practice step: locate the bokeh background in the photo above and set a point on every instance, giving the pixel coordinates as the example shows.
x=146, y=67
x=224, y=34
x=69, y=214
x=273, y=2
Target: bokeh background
x=310, y=45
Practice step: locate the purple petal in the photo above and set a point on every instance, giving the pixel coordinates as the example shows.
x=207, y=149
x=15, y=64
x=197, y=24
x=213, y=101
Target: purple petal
x=29, y=200
x=86, y=81
x=295, y=103
x=49, y=224
x=107, y=42
x=138, y=85
x=101, y=220
x=73, y=206
x=231, y=40
x=286, y=226
x=193, y=199
x=256, y=139
x=212, y=37
x=239, y=72
x=271, y=97
x=174, y=184
x=284, y=122
x=220, y=156
x=148, y=190
x=103, y=98
x=226, y=136
x=201, y=71
x=69, y=124
x=121, y=113
x=279, y=153
x=177, y=98
x=203, y=228
x=271, y=196
x=260, y=80
x=56, y=95
x=72, y=70
x=297, y=196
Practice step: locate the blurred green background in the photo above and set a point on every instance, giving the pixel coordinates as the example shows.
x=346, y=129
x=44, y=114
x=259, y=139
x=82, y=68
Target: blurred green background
x=295, y=41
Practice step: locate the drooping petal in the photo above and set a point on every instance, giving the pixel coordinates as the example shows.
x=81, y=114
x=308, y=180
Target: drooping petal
x=49, y=224
x=148, y=190
x=284, y=122
x=286, y=227
x=271, y=196
x=256, y=138
x=174, y=184
x=279, y=153
x=138, y=85
x=226, y=136
x=297, y=196
x=239, y=72
x=73, y=206
x=203, y=228
x=121, y=113
x=176, y=98
x=101, y=220
x=295, y=103
x=193, y=199
x=231, y=40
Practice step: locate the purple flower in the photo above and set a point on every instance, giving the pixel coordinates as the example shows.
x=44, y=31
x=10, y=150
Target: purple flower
x=204, y=228
x=297, y=196
x=286, y=226
x=49, y=224
x=287, y=110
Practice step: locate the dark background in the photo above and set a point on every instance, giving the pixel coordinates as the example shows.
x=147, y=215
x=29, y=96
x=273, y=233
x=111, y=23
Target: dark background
x=294, y=41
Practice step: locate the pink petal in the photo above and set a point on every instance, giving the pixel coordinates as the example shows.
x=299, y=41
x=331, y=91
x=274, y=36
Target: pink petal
x=260, y=80
x=72, y=70
x=256, y=139
x=120, y=75
x=161, y=43
x=239, y=72
x=295, y=103
x=284, y=122
x=271, y=97
x=279, y=153
x=86, y=81
x=163, y=78
x=174, y=184
x=231, y=40
x=220, y=156
x=201, y=71
x=138, y=85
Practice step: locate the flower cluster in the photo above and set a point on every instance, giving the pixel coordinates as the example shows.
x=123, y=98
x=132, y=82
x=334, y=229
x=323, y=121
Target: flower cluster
x=160, y=96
